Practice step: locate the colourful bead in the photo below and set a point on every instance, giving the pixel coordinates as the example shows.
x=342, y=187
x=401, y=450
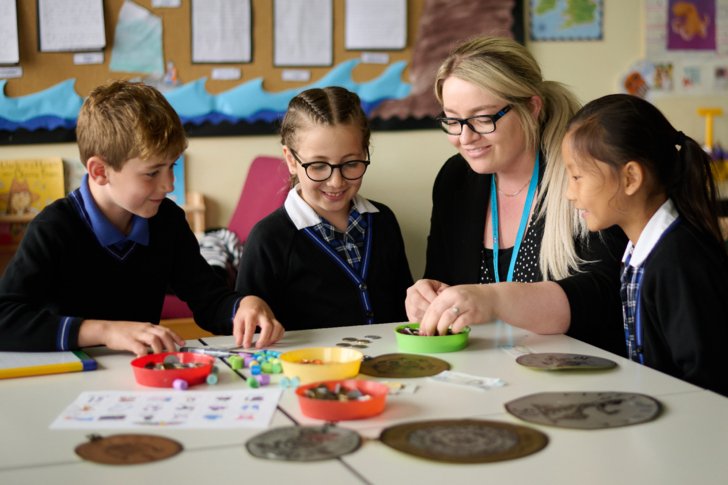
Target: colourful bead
x=212, y=379
x=276, y=368
x=255, y=369
x=253, y=382
x=235, y=362
x=263, y=379
x=180, y=384
x=266, y=367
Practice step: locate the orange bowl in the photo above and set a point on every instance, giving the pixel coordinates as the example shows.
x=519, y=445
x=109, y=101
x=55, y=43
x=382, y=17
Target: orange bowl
x=330, y=410
x=165, y=377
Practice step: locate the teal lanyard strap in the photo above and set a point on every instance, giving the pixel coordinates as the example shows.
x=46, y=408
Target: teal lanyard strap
x=521, y=228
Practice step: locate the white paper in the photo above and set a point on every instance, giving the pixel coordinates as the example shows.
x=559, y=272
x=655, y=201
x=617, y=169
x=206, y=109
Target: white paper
x=303, y=33
x=296, y=75
x=82, y=58
x=225, y=73
x=468, y=380
x=375, y=58
x=376, y=24
x=248, y=408
x=71, y=25
x=9, y=51
x=11, y=72
x=166, y=3
x=221, y=31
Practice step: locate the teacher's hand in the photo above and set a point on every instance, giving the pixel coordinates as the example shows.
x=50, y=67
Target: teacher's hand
x=457, y=307
x=419, y=297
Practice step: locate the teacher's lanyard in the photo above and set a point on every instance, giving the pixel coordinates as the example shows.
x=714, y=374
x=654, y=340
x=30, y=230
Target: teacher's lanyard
x=521, y=228
x=358, y=279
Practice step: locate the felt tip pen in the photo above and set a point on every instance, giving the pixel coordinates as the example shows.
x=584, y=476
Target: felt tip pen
x=213, y=351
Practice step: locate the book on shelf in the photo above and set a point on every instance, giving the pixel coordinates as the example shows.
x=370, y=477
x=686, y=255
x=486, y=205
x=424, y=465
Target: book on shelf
x=26, y=187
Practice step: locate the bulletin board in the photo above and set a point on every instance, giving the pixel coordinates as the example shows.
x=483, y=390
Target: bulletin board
x=433, y=27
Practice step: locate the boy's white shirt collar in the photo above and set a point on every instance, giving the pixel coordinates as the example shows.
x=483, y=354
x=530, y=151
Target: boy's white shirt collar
x=304, y=216
x=656, y=226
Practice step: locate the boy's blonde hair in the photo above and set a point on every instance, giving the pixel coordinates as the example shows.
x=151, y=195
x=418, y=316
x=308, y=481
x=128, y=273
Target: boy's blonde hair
x=506, y=69
x=121, y=120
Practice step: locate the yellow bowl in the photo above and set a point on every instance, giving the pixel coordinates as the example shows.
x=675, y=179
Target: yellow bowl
x=335, y=363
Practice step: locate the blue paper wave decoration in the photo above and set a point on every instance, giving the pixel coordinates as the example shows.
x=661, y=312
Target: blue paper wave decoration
x=58, y=106
x=55, y=107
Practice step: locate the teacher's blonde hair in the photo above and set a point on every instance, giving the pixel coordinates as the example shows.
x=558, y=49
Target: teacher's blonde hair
x=506, y=69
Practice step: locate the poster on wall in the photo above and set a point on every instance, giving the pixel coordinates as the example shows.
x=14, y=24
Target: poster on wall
x=686, y=45
x=398, y=95
x=565, y=19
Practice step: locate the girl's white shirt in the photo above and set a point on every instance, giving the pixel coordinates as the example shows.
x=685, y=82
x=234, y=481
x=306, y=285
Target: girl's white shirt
x=651, y=234
x=304, y=216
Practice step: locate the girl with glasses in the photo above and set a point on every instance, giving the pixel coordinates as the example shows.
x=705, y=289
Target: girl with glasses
x=627, y=165
x=328, y=257
x=501, y=228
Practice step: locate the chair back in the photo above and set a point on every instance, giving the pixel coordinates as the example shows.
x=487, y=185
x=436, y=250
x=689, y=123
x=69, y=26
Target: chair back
x=265, y=190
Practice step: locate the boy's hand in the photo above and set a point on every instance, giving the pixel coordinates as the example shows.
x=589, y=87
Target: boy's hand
x=136, y=337
x=254, y=312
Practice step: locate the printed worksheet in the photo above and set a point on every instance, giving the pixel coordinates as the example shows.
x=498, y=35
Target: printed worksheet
x=248, y=408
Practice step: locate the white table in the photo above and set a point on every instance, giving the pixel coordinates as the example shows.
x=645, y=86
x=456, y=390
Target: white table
x=687, y=443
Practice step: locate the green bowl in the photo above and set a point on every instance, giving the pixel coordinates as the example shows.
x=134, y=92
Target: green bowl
x=430, y=345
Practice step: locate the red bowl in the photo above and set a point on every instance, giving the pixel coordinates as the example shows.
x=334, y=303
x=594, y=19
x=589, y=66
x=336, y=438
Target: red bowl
x=165, y=377
x=344, y=410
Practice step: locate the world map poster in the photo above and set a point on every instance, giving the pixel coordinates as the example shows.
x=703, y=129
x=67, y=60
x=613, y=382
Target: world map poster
x=566, y=19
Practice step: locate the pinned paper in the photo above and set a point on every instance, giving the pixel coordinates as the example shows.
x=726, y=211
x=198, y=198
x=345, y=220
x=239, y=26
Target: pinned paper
x=137, y=41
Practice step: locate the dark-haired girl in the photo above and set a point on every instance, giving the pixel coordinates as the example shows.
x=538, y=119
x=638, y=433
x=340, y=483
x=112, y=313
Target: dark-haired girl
x=629, y=166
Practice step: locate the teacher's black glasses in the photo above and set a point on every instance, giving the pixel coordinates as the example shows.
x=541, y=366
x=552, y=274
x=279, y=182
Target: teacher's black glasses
x=481, y=124
x=319, y=171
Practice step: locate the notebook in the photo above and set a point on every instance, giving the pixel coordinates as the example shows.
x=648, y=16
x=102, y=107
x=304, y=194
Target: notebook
x=21, y=364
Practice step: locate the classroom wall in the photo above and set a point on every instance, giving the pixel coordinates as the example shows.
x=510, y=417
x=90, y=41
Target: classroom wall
x=404, y=164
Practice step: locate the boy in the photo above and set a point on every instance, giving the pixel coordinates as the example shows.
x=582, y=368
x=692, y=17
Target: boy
x=93, y=267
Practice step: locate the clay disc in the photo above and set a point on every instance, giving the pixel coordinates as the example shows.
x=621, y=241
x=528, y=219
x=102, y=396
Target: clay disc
x=304, y=443
x=403, y=366
x=128, y=449
x=585, y=410
x=464, y=441
x=557, y=361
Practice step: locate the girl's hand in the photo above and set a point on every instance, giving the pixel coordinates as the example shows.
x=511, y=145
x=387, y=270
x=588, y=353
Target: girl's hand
x=420, y=296
x=254, y=312
x=136, y=337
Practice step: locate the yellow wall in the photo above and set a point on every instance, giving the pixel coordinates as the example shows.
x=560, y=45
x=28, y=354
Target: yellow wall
x=405, y=163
